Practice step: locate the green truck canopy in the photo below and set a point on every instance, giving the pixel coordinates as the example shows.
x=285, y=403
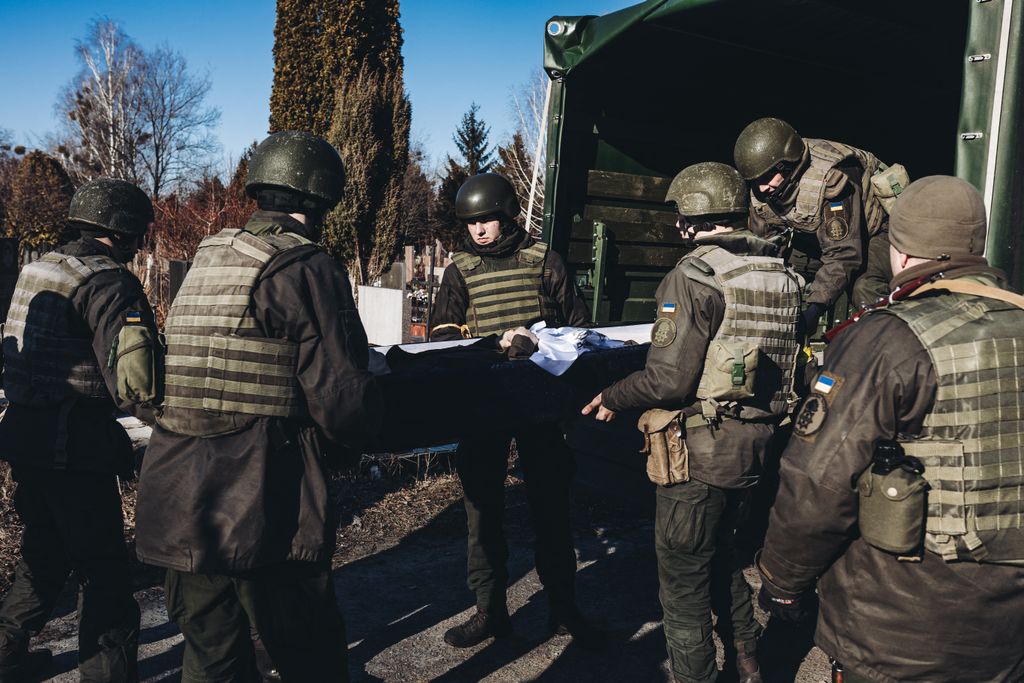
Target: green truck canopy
x=640, y=93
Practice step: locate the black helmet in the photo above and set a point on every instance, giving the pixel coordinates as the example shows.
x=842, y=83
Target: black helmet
x=298, y=162
x=485, y=194
x=708, y=189
x=114, y=205
x=766, y=145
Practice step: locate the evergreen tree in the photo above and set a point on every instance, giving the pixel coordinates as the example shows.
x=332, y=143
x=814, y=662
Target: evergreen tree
x=321, y=44
x=40, y=197
x=371, y=132
x=471, y=139
x=446, y=226
x=514, y=163
x=417, y=200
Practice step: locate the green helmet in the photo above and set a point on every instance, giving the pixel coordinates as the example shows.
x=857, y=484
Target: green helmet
x=298, y=162
x=485, y=194
x=708, y=188
x=765, y=145
x=114, y=205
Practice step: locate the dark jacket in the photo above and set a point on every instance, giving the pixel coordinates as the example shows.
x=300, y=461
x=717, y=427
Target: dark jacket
x=230, y=503
x=92, y=439
x=731, y=455
x=884, y=619
x=452, y=300
x=841, y=259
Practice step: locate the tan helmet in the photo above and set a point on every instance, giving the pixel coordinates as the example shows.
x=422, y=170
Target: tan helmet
x=708, y=188
x=938, y=217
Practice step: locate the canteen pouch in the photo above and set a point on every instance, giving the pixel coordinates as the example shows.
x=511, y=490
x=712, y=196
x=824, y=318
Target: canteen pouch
x=892, y=510
x=668, y=459
x=888, y=182
x=733, y=368
x=137, y=359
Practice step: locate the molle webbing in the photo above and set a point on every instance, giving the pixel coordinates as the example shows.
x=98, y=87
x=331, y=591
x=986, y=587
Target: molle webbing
x=48, y=347
x=505, y=292
x=806, y=214
x=762, y=305
x=217, y=359
x=972, y=440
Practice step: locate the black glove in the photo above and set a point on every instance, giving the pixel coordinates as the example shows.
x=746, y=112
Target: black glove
x=781, y=604
x=809, y=320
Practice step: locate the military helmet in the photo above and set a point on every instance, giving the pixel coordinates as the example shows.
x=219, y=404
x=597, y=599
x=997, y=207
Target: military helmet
x=938, y=217
x=299, y=162
x=114, y=205
x=765, y=145
x=485, y=194
x=708, y=188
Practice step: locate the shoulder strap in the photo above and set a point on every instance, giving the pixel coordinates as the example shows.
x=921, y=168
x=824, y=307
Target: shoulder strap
x=973, y=288
x=465, y=261
x=534, y=253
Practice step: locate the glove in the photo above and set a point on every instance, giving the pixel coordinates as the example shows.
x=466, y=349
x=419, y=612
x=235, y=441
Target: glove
x=809, y=320
x=781, y=604
x=525, y=339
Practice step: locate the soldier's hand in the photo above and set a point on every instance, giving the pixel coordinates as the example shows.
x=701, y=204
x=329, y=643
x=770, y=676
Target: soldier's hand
x=603, y=414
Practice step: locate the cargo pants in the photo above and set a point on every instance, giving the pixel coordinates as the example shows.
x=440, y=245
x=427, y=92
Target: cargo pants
x=291, y=605
x=73, y=523
x=699, y=573
x=547, y=463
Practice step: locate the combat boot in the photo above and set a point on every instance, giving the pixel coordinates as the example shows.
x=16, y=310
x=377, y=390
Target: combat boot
x=264, y=665
x=24, y=667
x=746, y=662
x=565, y=619
x=479, y=628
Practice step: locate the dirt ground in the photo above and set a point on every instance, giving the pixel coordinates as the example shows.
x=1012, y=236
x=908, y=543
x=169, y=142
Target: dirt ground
x=400, y=576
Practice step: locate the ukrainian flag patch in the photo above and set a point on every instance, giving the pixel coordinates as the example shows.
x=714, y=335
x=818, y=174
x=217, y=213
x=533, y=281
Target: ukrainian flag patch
x=133, y=317
x=836, y=206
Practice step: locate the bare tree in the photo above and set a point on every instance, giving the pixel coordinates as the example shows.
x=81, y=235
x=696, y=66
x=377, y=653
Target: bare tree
x=521, y=159
x=101, y=106
x=175, y=121
x=134, y=115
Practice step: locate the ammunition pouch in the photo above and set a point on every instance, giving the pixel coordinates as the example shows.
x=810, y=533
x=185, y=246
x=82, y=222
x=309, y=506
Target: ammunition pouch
x=668, y=459
x=892, y=510
x=731, y=370
x=887, y=183
x=137, y=357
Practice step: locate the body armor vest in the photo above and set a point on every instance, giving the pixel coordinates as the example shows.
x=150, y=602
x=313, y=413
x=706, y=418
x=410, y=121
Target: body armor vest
x=806, y=214
x=757, y=340
x=48, y=354
x=972, y=439
x=506, y=292
x=221, y=372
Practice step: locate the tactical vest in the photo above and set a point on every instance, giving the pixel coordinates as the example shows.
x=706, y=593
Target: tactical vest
x=48, y=354
x=506, y=292
x=221, y=372
x=758, y=334
x=806, y=214
x=972, y=440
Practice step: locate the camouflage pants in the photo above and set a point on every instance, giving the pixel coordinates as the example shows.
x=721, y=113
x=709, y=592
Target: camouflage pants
x=699, y=573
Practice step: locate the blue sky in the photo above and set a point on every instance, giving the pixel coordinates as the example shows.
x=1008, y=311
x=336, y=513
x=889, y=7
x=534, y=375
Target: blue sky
x=456, y=52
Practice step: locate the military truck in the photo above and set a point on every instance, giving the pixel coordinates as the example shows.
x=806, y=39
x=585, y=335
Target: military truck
x=638, y=94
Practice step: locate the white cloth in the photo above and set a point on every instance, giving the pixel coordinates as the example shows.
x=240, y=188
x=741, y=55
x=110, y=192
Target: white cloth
x=559, y=347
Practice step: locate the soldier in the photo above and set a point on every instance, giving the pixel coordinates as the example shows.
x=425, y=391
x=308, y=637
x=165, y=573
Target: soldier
x=721, y=369
x=80, y=340
x=266, y=379
x=502, y=279
x=819, y=191
x=920, y=554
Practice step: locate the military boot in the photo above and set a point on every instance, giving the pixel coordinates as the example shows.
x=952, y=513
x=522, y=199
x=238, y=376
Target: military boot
x=565, y=619
x=478, y=628
x=24, y=667
x=268, y=672
x=746, y=662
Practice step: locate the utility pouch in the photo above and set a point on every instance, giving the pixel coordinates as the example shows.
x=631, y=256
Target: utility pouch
x=893, y=503
x=733, y=370
x=137, y=360
x=668, y=460
x=888, y=182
